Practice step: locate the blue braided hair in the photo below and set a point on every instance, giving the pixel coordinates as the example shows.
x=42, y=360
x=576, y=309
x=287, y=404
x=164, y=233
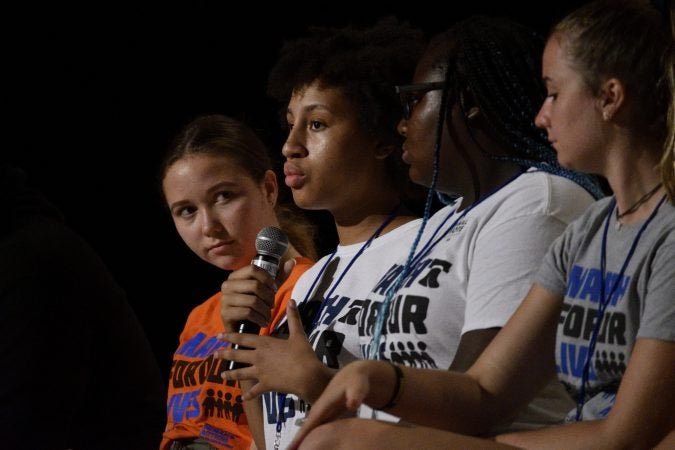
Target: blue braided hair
x=499, y=61
x=374, y=350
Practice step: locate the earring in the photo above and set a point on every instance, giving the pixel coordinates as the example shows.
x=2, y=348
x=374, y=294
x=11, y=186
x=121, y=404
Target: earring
x=605, y=115
x=473, y=113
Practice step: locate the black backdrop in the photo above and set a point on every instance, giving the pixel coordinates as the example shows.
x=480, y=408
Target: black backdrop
x=91, y=96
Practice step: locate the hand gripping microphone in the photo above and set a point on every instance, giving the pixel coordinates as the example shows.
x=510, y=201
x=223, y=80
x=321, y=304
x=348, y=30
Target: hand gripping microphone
x=270, y=245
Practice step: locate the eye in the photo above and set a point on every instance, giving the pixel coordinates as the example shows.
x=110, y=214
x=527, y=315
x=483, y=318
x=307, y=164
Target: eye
x=223, y=196
x=552, y=95
x=184, y=212
x=316, y=125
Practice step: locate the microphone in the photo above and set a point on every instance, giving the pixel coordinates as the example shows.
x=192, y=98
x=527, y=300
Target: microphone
x=270, y=245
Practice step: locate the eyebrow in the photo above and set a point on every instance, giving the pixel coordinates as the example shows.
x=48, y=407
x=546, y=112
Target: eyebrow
x=210, y=190
x=221, y=185
x=310, y=108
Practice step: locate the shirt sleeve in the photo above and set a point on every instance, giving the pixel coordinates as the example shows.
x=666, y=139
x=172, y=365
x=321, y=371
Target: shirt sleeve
x=505, y=261
x=658, y=317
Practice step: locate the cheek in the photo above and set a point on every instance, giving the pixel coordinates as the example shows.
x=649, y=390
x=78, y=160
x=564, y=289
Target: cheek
x=422, y=147
x=244, y=222
x=579, y=126
x=422, y=132
x=190, y=234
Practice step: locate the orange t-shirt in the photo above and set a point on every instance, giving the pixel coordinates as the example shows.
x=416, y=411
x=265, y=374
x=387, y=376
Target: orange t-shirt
x=199, y=402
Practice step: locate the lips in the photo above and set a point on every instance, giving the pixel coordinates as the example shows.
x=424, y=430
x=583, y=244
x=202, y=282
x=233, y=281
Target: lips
x=405, y=155
x=220, y=247
x=294, y=177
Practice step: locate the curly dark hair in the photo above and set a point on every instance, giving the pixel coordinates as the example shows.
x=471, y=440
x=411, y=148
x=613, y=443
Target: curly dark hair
x=365, y=64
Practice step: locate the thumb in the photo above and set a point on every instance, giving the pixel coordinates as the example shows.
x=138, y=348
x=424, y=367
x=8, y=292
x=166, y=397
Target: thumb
x=293, y=318
x=285, y=271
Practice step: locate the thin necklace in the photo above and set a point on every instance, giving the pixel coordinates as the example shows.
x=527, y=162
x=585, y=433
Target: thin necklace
x=635, y=205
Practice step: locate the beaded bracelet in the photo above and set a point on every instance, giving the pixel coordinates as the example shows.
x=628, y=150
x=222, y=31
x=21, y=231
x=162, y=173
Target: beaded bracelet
x=398, y=387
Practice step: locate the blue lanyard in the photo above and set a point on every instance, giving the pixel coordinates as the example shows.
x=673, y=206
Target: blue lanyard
x=413, y=259
x=376, y=233
x=605, y=299
x=281, y=418
x=430, y=244
x=281, y=397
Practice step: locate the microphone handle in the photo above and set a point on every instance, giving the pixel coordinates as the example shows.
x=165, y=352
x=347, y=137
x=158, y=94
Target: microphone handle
x=268, y=263
x=245, y=326
x=271, y=265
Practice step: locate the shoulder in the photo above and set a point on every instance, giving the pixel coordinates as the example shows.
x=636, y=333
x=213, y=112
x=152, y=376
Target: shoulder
x=206, y=309
x=302, y=265
x=402, y=235
x=592, y=218
x=661, y=233
x=537, y=192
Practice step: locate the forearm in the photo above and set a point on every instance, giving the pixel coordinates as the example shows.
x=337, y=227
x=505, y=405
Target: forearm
x=315, y=381
x=254, y=415
x=509, y=372
x=580, y=435
x=360, y=433
x=642, y=413
x=435, y=398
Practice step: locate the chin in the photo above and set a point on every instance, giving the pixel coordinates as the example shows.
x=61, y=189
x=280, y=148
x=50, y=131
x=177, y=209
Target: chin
x=569, y=164
x=229, y=262
x=304, y=201
x=419, y=177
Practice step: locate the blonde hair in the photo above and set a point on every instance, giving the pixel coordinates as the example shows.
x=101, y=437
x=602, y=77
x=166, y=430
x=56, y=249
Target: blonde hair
x=668, y=160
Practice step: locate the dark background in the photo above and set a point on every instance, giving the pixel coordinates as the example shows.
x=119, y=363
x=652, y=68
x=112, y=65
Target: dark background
x=92, y=95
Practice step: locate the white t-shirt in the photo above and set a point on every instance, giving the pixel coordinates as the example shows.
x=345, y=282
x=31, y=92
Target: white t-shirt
x=328, y=339
x=481, y=267
x=474, y=277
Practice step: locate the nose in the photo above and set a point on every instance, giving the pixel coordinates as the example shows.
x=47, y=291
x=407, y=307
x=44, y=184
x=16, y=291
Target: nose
x=294, y=147
x=542, y=118
x=402, y=127
x=211, y=226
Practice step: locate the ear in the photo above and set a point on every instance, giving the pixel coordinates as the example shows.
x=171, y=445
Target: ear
x=270, y=187
x=611, y=98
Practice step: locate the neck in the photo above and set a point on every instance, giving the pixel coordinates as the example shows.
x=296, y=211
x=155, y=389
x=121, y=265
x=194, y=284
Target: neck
x=641, y=208
x=491, y=177
x=632, y=174
x=359, y=227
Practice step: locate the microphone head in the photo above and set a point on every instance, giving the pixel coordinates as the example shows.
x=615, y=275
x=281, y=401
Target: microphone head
x=271, y=241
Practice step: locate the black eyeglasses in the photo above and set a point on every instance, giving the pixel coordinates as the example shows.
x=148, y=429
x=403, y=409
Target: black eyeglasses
x=410, y=94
